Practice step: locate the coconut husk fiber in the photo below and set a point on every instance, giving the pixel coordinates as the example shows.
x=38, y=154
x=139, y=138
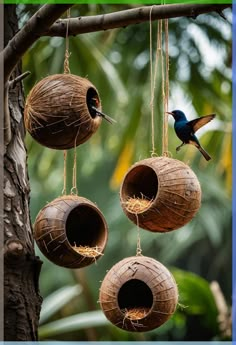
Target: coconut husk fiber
x=160, y=194
x=57, y=114
x=71, y=231
x=138, y=294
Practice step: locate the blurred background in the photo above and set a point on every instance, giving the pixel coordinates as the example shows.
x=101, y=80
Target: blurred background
x=117, y=62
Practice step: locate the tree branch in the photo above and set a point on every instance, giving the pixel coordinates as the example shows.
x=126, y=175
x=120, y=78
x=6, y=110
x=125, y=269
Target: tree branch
x=33, y=29
x=41, y=24
x=124, y=18
x=18, y=79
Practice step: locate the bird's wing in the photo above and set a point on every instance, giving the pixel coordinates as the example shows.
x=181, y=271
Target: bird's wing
x=201, y=121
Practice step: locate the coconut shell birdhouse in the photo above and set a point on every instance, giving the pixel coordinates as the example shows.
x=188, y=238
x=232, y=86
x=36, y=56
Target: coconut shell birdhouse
x=58, y=112
x=160, y=194
x=71, y=231
x=138, y=294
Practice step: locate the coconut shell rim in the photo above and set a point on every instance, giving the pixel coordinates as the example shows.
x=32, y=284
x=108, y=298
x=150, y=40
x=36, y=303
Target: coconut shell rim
x=152, y=200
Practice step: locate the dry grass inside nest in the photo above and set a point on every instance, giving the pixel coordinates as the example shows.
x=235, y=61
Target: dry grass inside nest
x=91, y=252
x=135, y=313
x=137, y=205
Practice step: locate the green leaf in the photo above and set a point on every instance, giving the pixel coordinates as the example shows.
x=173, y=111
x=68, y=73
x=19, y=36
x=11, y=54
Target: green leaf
x=73, y=323
x=54, y=302
x=195, y=297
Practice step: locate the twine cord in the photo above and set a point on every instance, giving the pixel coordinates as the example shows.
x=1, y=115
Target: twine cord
x=64, y=174
x=160, y=55
x=153, y=77
x=152, y=92
x=138, y=249
x=166, y=87
x=152, y=85
x=74, y=189
x=163, y=95
x=164, y=81
x=66, y=70
x=67, y=53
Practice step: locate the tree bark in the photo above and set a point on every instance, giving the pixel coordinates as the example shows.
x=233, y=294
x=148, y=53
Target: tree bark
x=22, y=301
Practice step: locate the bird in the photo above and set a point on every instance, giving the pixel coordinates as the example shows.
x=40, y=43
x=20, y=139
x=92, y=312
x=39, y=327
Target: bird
x=92, y=105
x=185, y=130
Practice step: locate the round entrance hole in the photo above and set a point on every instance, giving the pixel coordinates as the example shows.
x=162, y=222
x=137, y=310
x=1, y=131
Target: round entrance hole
x=135, y=299
x=71, y=231
x=85, y=227
x=92, y=98
x=141, y=183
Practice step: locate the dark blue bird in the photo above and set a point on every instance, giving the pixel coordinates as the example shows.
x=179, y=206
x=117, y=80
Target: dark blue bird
x=185, y=130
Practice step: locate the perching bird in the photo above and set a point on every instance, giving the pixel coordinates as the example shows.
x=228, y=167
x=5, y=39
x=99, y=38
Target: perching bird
x=185, y=130
x=93, y=104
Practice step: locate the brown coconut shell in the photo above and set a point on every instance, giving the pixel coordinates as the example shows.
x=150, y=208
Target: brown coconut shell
x=160, y=194
x=71, y=231
x=138, y=294
x=56, y=111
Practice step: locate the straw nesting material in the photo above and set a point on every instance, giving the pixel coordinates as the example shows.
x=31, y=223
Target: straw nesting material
x=71, y=231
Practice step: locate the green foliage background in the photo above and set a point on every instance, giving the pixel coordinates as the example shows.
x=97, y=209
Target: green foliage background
x=118, y=63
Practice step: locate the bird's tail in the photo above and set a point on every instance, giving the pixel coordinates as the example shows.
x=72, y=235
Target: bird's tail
x=204, y=153
x=106, y=117
x=198, y=146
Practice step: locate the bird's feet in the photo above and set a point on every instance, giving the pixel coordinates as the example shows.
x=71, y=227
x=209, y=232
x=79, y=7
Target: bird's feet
x=179, y=147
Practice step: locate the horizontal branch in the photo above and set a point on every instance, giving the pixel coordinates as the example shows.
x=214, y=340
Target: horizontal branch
x=124, y=18
x=44, y=23
x=33, y=29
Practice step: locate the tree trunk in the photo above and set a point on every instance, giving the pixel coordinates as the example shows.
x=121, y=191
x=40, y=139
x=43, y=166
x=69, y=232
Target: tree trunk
x=22, y=301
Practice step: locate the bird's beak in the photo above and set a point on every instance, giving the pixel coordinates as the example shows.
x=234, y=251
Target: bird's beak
x=168, y=112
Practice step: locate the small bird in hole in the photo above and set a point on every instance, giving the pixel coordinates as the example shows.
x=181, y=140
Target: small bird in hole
x=93, y=109
x=185, y=130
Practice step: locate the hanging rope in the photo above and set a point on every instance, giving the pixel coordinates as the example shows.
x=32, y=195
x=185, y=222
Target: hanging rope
x=67, y=53
x=153, y=82
x=64, y=173
x=74, y=189
x=138, y=249
x=166, y=92
x=164, y=82
x=151, y=85
x=163, y=95
x=66, y=70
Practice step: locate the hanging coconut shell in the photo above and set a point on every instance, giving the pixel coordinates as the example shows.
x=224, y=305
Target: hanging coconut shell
x=58, y=113
x=138, y=294
x=160, y=194
x=71, y=231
